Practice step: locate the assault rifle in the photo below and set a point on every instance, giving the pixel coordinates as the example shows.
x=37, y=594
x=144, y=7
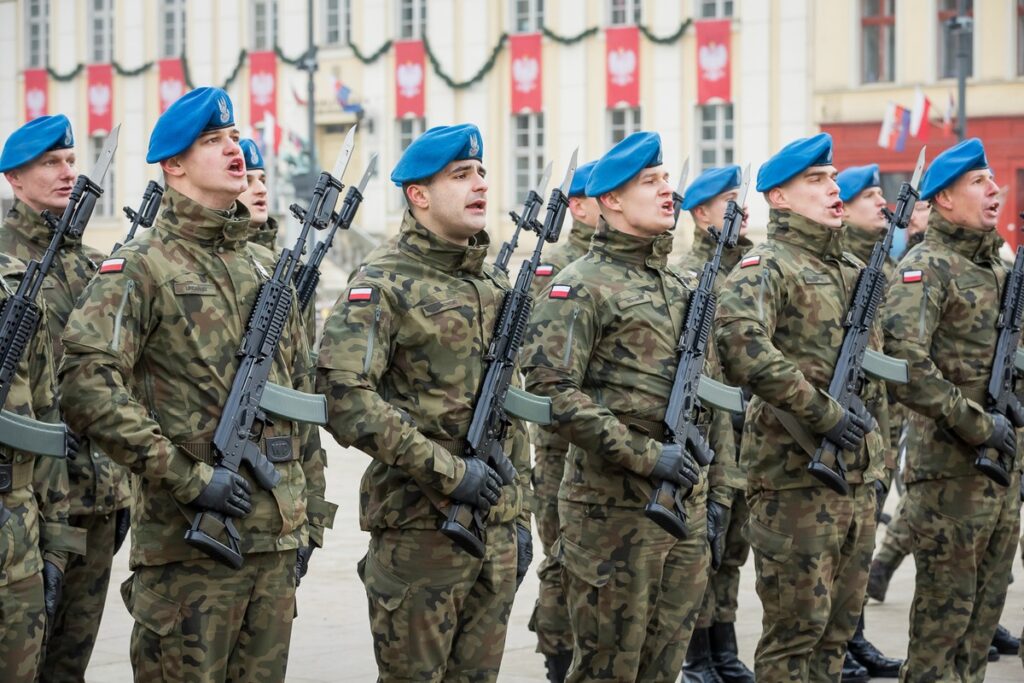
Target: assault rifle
x=239, y=431
x=496, y=399
x=528, y=220
x=145, y=215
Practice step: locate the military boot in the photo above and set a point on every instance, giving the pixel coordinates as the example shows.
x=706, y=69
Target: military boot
x=854, y=672
x=993, y=654
x=1004, y=641
x=697, y=668
x=725, y=655
x=879, y=576
x=558, y=666
x=877, y=664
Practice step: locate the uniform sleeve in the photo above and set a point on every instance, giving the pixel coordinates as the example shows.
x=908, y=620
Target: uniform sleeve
x=103, y=341
x=744, y=326
x=721, y=439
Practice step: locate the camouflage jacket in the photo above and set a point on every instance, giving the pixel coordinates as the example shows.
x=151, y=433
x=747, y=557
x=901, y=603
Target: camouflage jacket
x=37, y=500
x=264, y=234
x=602, y=345
x=148, y=363
x=554, y=260
x=779, y=329
x=263, y=244
x=98, y=484
x=940, y=316
x=401, y=362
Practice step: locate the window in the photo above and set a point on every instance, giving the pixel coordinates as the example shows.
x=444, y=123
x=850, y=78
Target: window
x=622, y=122
x=264, y=24
x=527, y=15
x=877, y=40
x=715, y=135
x=37, y=33
x=1020, y=37
x=337, y=22
x=714, y=9
x=948, y=32
x=407, y=131
x=101, y=31
x=172, y=28
x=624, y=12
x=527, y=152
x=412, y=18
x=105, y=204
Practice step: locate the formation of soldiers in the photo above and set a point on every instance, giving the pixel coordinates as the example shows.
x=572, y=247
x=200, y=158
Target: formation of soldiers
x=138, y=353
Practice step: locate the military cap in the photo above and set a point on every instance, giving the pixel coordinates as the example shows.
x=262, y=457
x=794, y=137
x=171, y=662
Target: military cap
x=435, y=149
x=580, y=178
x=194, y=113
x=710, y=184
x=854, y=180
x=623, y=161
x=962, y=157
x=34, y=138
x=251, y=152
x=793, y=159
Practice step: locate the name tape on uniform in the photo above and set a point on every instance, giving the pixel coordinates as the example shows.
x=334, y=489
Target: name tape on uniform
x=545, y=270
x=560, y=292
x=360, y=294
x=750, y=261
x=910, y=276
x=112, y=265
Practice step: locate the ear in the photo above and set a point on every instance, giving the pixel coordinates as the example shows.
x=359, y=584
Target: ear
x=700, y=214
x=610, y=200
x=172, y=167
x=418, y=196
x=576, y=208
x=943, y=199
x=13, y=178
x=776, y=198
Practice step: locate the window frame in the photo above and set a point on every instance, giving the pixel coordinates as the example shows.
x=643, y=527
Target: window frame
x=177, y=9
x=629, y=7
x=343, y=9
x=722, y=9
x=886, y=42
x=532, y=153
x=942, y=16
x=532, y=19
x=723, y=146
x=632, y=121
x=414, y=29
x=100, y=40
x=37, y=56
x=267, y=42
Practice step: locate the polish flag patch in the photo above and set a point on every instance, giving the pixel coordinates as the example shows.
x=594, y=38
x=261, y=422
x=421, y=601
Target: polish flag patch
x=112, y=265
x=545, y=269
x=910, y=276
x=360, y=294
x=560, y=292
x=750, y=261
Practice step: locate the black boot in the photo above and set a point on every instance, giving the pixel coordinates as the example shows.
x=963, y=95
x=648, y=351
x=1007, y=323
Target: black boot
x=879, y=576
x=725, y=655
x=558, y=666
x=877, y=664
x=993, y=654
x=697, y=667
x=854, y=672
x=1004, y=641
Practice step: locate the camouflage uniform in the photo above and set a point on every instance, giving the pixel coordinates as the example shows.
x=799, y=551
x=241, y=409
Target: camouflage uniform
x=38, y=528
x=783, y=308
x=99, y=487
x=400, y=364
x=605, y=353
x=148, y=364
x=550, y=618
x=964, y=526
x=264, y=234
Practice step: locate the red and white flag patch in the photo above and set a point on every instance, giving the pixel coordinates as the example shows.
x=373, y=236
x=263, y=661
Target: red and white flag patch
x=750, y=261
x=560, y=292
x=112, y=265
x=545, y=270
x=910, y=276
x=360, y=294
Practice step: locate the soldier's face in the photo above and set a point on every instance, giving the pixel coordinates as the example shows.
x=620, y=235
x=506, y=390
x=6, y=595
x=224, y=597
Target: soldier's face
x=585, y=210
x=255, y=196
x=919, y=219
x=453, y=204
x=46, y=183
x=813, y=194
x=865, y=210
x=712, y=212
x=972, y=201
x=643, y=206
x=211, y=171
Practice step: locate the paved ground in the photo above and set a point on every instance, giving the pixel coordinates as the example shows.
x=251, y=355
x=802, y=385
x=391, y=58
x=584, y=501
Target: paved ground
x=331, y=641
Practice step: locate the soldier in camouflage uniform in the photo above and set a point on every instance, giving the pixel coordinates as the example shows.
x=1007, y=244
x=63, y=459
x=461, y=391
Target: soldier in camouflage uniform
x=940, y=316
x=779, y=329
x=262, y=226
x=99, y=493
x=400, y=362
x=149, y=359
x=713, y=645
x=602, y=345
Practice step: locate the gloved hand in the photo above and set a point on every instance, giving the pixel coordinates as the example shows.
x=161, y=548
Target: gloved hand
x=480, y=486
x=122, y=523
x=677, y=466
x=302, y=556
x=71, y=443
x=1015, y=411
x=227, y=493
x=53, y=587
x=1003, y=438
x=849, y=432
x=524, y=553
x=880, y=492
x=718, y=523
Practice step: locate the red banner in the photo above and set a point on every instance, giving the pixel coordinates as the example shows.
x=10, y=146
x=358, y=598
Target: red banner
x=526, y=73
x=100, y=94
x=622, y=64
x=262, y=85
x=410, y=77
x=171, y=84
x=37, y=93
x=714, y=81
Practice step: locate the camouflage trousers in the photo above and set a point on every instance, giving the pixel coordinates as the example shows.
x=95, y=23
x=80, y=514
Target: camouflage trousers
x=22, y=623
x=964, y=534
x=81, y=604
x=634, y=591
x=436, y=612
x=896, y=543
x=812, y=548
x=721, y=598
x=199, y=621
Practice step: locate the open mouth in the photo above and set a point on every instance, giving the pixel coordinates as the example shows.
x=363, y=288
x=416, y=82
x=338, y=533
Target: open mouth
x=992, y=208
x=836, y=209
x=64, y=191
x=668, y=207
x=237, y=166
x=260, y=204
x=479, y=206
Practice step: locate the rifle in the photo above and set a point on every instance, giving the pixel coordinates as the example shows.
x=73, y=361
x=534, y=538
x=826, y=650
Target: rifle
x=855, y=360
x=496, y=400
x=527, y=220
x=685, y=401
x=241, y=424
x=145, y=215
x=307, y=275
x=678, y=195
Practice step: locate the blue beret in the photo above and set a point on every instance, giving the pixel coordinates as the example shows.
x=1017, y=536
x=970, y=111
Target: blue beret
x=34, y=138
x=962, y=157
x=793, y=159
x=854, y=180
x=580, y=178
x=623, y=161
x=251, y=152
x=710, y=184
x=435, y=149
x=191, y=115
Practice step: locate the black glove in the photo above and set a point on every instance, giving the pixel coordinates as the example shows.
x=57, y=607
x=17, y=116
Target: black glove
x=227, y=493
x=880, y=493
x=122, y=523
x=524, y=553
x=677, y=466
x=480, y=486
x=718, y=523
x=53, y=587
x=1003, y=438
x=302, y=556
x=849, y=432
x=1015, y=411
x=71, y=443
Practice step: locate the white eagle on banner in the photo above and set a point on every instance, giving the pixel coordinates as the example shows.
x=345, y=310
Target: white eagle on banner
x=712, y=59
x=99, y=99
x=621, y=66
x=170, y=91
x=35, y=100
x=410, y=79
x=262, y=86
x=525, y=71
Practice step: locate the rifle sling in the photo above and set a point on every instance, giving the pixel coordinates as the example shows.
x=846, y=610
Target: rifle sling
x=203, y=451
x=796, y=430
x=649, y=428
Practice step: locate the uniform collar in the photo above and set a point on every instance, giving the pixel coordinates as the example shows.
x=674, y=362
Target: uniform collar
x=186, y=218
x=860, y=242
x=977, y=245
x=580, y=235
x=704, y=248
x=29, y=223
x=617, y=245
x=792, y=228
x=421, y=244
x=264, y=234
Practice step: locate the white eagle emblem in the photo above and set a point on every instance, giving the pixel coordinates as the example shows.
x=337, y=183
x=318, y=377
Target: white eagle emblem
x=712, y=59
x=99, y=99
x=474, y=146
x=262, y=85
x=35, y=100
x=525, y=71
x=170, y=91
x=410, y=79
x=225, y=115
x=68, y=138
x=621, y=66
x=253, y=158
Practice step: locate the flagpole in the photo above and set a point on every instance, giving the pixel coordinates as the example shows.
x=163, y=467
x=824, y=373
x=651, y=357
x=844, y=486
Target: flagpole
x=309, y=65
x=962, y=25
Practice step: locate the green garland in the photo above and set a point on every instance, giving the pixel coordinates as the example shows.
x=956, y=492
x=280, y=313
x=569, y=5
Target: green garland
x=69, y=76
x=296, y=61
x=667, y=40
x=121, y=71
x=478, y=76
x=569, y=40
x=374, y=56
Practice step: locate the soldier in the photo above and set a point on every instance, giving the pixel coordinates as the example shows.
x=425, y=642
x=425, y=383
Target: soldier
x=262, y=226
x=713, y=645
x=941, y=317
x=602, y=345
x=550, y=619
x=148, y=364
x=400, y=362
x=779, y=328
x=41, y=171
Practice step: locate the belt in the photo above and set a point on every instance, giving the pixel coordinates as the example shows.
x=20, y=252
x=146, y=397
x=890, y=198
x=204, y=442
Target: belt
x=276, y=448
x=16, y=475
x=649, y=428
x=453, y=446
